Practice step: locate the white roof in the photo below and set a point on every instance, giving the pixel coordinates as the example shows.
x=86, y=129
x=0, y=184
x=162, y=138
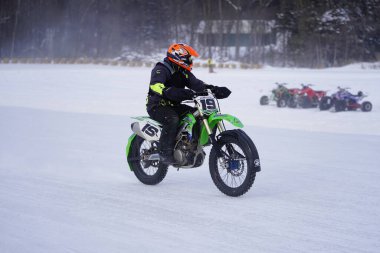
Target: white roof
x=230, y=26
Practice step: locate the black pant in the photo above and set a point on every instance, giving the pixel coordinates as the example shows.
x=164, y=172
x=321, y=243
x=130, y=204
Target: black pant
x=169, y=117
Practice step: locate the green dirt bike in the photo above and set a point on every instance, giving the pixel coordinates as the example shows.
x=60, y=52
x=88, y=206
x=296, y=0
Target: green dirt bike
x=233, y=160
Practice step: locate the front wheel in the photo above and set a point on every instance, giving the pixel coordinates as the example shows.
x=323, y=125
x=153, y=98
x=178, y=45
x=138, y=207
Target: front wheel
x=235, y=170
x=148, y=172
x=281, y=103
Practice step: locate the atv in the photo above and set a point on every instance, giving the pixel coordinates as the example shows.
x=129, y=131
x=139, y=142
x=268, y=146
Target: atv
x=328, y=102
x=308, y=97
x=344, y=100
x=233, y=161
x=280, y=95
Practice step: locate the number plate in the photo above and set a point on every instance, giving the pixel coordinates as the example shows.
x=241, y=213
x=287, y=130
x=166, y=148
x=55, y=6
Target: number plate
x=208, y=104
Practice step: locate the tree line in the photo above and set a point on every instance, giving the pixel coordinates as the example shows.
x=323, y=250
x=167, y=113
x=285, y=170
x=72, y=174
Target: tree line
x=306, y=33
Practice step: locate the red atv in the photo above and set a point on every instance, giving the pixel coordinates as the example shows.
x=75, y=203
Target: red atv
x=308, y=98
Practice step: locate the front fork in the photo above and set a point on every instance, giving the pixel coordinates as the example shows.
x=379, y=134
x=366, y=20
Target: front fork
x=213, y=139
x=211, y=135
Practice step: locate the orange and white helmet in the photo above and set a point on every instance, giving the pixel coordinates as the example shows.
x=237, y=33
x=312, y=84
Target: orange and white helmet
x=182, y=55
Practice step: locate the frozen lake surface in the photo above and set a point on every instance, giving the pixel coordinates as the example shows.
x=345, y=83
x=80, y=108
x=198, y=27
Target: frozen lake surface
x=65, y=185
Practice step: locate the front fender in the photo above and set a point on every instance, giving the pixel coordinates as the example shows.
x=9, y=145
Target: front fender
x=128, y=147
x=213, y=121
x=232, y=119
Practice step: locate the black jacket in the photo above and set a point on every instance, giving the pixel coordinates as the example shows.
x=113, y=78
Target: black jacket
x=168, y=81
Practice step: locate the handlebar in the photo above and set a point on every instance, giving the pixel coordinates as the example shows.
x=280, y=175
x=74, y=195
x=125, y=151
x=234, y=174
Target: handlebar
x=306, y=85
x=199, y=94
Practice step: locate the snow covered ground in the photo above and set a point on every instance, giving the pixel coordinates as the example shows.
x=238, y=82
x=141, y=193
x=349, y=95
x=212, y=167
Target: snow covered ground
x=65, y=185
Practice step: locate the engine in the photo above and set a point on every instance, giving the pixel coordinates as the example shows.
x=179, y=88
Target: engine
x=188, y=154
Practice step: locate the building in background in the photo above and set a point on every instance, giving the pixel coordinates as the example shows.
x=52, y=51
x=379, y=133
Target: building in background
x=237, y=39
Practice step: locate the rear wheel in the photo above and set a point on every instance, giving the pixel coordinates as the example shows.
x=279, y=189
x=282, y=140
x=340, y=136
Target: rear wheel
x=366, y=106
x=148, y=172
x=234, y=172
x=326, y=103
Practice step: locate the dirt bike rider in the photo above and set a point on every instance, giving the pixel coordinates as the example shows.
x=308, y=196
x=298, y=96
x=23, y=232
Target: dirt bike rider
x=167, y=90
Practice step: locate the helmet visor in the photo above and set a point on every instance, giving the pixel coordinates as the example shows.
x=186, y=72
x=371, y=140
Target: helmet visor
x=189, y=60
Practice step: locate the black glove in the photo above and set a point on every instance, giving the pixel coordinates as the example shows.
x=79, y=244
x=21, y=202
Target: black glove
x=187, y=94
x=178, y=94
x=221, y=92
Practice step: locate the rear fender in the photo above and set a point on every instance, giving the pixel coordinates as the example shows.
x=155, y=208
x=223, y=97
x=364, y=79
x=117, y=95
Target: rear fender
x=128, y=148
x=147, y=128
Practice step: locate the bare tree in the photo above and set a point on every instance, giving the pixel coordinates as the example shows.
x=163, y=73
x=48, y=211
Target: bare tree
x=15, y=28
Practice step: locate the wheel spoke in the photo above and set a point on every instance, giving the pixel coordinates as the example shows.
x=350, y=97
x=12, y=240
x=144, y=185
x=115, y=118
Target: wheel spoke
x=232, y=167
x=146, y=149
